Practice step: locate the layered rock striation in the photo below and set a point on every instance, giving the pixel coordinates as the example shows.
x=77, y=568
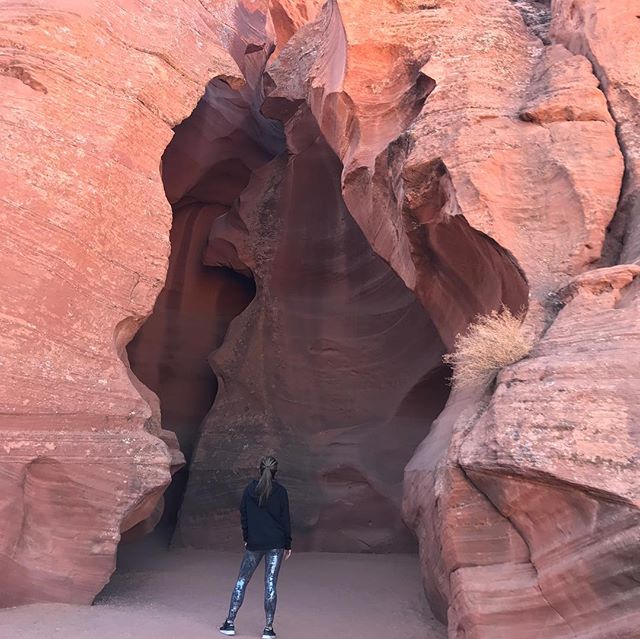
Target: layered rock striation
x=90, y=95
x=317, y=373
x=536, y=527
x=354, y=186
x=204, y=169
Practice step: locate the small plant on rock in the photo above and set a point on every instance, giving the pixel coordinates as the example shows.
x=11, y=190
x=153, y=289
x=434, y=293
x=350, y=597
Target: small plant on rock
x=489, y=344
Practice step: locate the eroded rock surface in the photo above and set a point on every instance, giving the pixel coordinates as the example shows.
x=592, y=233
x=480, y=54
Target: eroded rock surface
x=357, y=110
x=609, y=35
x=301, y=368
x=514, y=141
x=90, y=93
x=381, y=173
x=508, y=140
x=205, y=168
x=564, y=474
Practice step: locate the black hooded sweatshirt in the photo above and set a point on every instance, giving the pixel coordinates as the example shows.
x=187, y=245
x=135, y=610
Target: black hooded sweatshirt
x=268, y=526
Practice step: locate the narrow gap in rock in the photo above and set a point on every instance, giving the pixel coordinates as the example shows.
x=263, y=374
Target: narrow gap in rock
x=332, y=363
x=537, y=16
x=335, y=368
x=204, y=169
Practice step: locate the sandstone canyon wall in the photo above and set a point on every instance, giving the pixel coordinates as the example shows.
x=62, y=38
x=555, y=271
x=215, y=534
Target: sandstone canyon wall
x=607, y=34
x=530, y=493
x=356, y=183
x=89, y=99
x=336, y=365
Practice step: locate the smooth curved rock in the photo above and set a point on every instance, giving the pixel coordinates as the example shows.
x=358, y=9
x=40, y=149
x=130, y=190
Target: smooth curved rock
x=345, y=107
x=503, y=127
x=288, y=16
x=90, y=93
x=319, y=369
x=565, y=474
x=513, y=130
x=475, y=117
x=204, y=169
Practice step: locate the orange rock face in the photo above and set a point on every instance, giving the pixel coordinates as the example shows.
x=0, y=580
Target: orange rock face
x=357, y=182
x=511, y=513
x=89, y=99
x=564, y=474
x=609, y=36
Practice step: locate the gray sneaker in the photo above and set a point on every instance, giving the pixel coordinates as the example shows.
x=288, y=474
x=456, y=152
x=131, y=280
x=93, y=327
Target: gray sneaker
x=227, y=628
x=268, y=633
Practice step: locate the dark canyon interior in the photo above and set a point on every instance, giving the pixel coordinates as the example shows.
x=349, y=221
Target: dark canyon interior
x=280, y=330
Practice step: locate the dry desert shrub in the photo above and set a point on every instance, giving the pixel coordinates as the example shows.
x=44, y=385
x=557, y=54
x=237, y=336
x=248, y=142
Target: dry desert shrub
x=490, y=343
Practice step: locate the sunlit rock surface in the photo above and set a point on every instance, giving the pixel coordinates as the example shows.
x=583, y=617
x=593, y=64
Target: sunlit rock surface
x=354, y=186
x=90, y=94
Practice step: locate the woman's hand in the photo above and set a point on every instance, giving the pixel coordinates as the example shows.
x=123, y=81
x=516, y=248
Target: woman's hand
x=287, y=554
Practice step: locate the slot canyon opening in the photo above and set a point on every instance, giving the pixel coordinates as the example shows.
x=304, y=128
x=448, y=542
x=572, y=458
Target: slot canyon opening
x=204, y=169
x=333, y=365
x=281, y=331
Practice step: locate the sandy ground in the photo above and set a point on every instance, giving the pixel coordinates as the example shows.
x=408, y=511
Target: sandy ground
x=184, y=594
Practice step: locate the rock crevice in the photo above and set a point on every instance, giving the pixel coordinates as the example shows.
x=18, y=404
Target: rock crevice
x=607, y=38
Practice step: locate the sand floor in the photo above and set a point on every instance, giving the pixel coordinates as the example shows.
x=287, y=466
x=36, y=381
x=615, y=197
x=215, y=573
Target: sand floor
x=184, y=594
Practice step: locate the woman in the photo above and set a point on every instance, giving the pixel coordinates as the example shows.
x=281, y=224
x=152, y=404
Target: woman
x=266, y=528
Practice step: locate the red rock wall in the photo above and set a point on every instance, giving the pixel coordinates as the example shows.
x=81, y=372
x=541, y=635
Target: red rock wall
x=537, y=527
x=564, y=475
x=319, y=369
x=324, y=388
x=608, y=35
x=206, y=166
x=190, y=319
x=398, y=168
x=90, y=94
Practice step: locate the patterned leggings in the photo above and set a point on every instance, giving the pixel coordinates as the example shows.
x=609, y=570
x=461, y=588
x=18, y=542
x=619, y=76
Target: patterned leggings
x=250, y=561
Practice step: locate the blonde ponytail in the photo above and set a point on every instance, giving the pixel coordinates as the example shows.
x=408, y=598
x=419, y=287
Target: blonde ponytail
x=268, y=470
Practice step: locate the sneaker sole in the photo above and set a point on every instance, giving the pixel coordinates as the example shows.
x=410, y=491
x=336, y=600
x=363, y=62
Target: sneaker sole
x=268, y=637
x=229, y=633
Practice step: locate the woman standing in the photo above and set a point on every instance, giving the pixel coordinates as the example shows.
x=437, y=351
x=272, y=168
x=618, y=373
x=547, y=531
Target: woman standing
x=266, y=528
